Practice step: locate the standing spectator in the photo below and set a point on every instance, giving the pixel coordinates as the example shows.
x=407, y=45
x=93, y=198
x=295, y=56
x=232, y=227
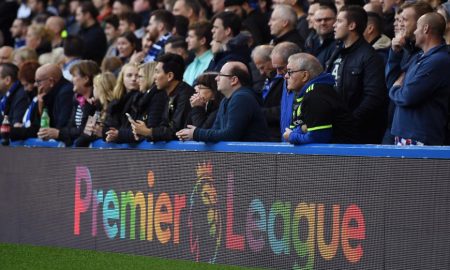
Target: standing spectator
x=280, y=55
x=374, y=35
x=55, y=94
x=91, y=32
x=358, y=71
x=319, y=114
x=14, y=99
x=205, y=102
x=19, y=32
x=272, y=89
x=198, y=41
x=322, y=43
x=168, y=77
x=421, y=95
x=83, y=74
x=444, y=10
x=239, y=117
x=282, y=26
x=160, y=28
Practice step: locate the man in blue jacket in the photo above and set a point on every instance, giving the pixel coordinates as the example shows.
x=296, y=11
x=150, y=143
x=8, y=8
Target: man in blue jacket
x=421, y=95
x=240, y=117
x=14, y=100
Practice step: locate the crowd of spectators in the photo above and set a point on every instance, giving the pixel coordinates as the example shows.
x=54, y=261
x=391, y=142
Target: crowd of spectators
x=304, y=71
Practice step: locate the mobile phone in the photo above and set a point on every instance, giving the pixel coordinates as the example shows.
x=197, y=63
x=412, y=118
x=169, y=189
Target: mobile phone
x=129, y=117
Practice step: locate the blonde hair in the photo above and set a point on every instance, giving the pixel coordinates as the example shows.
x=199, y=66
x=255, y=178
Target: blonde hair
x=41, y=32
x=104, y=84
x=25, y=54
x=119, y=90
x=148, y=70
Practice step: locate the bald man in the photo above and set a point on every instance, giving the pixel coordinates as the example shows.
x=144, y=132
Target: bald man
x=319, y=114
x=56, y=25
x=421, y=96
x=5, y=54
x=55, y=94
x=240, y=117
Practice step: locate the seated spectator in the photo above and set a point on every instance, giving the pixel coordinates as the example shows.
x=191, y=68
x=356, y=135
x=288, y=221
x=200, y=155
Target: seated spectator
x=240, y=117
x=205, y=102
x=272, y=89
x=14, y=100
x=19, y=31
x=112, y=64
x=23, y=54
x=29, y=125
x=82, y=76
x=151, y=105
x=319, y=114
x=126, y=94
x=160, y=28
x=102, y=96
x=178, y=45
x=39, y=39
x=55, y=94
x=131, y=22
x=127, y=43
x=111, y=28
x=6, y=54
x=198, y=41
x=168, y=78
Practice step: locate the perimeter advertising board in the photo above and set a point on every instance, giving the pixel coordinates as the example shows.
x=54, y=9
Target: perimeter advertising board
x=260, y=210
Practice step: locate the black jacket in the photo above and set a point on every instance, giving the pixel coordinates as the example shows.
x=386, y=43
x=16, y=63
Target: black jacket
x=272, y=109
x=176, y=111
x=95, y=43
x=151, y=106
x=116, y=118
x=204, y=118
x=16, y=104
x=59, y=103
x=361, y=83
x=291, y=36
x=321, y=51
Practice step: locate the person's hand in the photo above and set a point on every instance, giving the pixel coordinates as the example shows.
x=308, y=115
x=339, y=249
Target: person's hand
x=137, y=57
x=112, y=135
x=304, y=128
x=140, y=129
x=197, y=101
x=18, y=125
x=186, y=134
x=398, y=42
x=400, y=79
x=97, y=130
x=287, y=132
x=48, y=133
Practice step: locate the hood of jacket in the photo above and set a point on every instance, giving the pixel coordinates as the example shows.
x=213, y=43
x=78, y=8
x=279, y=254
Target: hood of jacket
x=384, y=42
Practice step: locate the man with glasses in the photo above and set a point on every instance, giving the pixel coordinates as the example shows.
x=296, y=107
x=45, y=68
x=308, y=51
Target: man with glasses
x=319, y=114
x=55, y=94
x=240, y=117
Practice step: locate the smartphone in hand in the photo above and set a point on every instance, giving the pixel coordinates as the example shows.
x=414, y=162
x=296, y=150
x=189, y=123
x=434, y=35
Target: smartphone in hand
x=130, y=119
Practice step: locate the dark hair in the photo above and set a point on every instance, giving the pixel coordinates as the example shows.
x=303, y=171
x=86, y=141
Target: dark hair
x=172, y=63
x=327, y=5
x=229, y=20
x=357, y=15
x=27, y=71
x=376, y=20
x=202, y=29
x=242, y=74
x=165, y=17
x=177, y=42
x=131, y=37
x=131, y=18
x=73, y=46
x=194, y=5
x=24, y=21
x=181, y=25
x=88, y=7
x=9, y=69
x=207, y=79
x=86, y=68
x=112, y=20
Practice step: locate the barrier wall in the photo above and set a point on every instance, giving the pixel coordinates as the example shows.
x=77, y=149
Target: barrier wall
x=269, y=210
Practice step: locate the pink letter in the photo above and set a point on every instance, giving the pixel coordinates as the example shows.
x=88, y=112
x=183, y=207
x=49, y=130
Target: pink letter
x=81, y=204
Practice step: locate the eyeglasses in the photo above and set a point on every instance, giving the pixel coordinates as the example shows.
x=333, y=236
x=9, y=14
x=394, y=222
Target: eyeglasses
x=290, y=72
x=201, y=87
x=39, y=82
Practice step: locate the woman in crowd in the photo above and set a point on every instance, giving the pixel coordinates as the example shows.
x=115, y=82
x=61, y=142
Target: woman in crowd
x=83, y=74
x=39, y=39
x=127, y=43
x=24, y=54
x=102, y=96
x=205, y=102
x=126, y=94
x=151, y=104
x=29, y=126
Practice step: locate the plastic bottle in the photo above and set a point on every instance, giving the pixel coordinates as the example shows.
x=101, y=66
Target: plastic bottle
x=5, y=129
x=45, y=119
